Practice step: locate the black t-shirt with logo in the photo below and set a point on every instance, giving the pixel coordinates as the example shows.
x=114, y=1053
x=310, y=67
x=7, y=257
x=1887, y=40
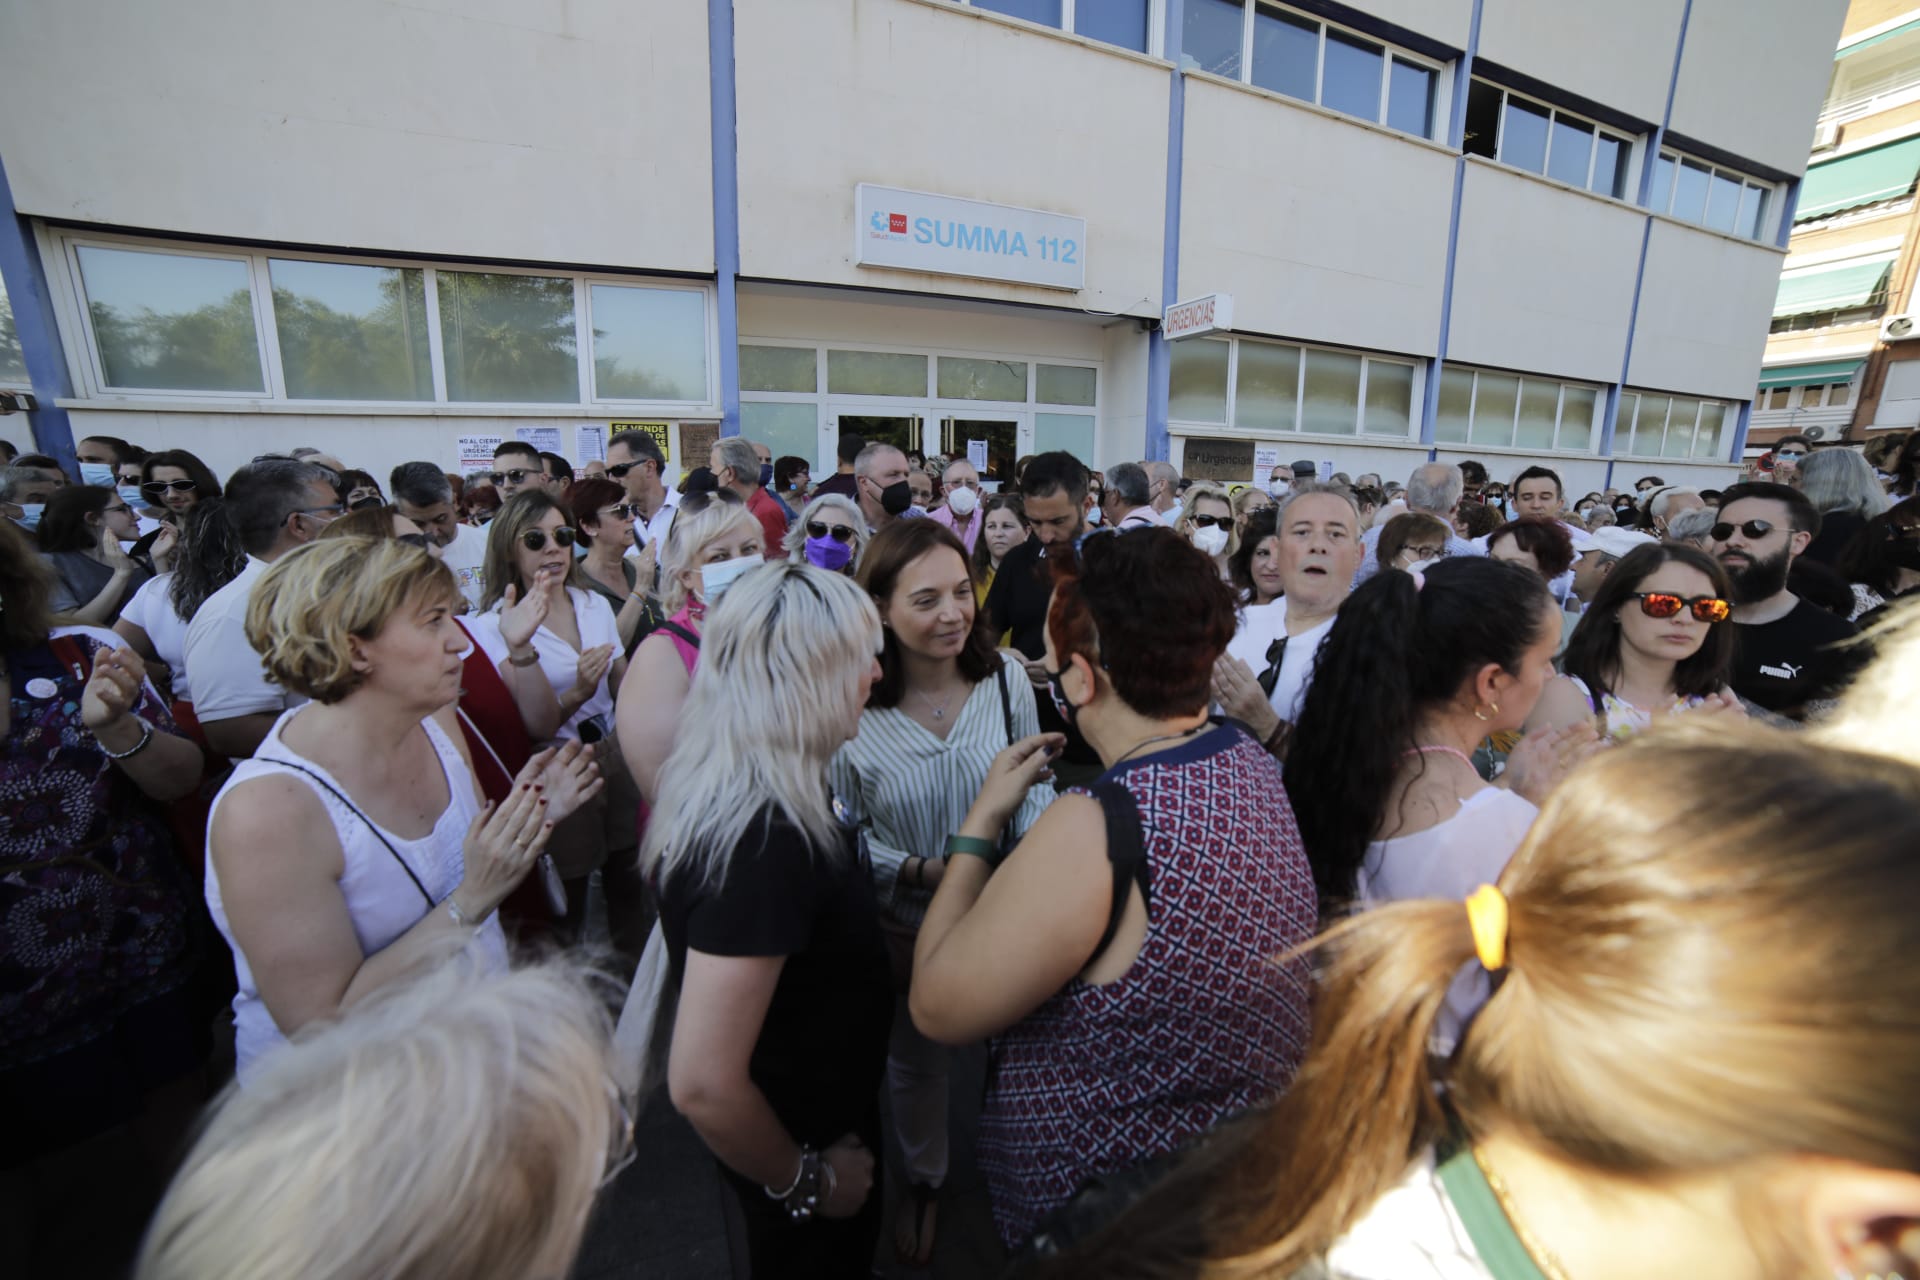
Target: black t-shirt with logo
x=1785, y=664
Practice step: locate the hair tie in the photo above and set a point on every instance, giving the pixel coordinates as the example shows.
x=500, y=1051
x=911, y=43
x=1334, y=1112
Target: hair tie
x=1419, y=580
x=1487, y=916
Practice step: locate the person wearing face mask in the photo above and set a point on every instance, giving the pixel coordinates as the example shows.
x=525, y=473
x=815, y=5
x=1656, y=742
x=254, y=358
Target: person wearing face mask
x=1279, y=482
x=885, y=494
x=829, y=535
x=736, y=464
x=277, y=506
x=962, y=510
x=920, y=489
x=26, y=485
x=1206, y=520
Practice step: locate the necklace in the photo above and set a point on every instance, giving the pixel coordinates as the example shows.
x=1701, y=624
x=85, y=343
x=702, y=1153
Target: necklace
x=1542, y=1256
x=1164, y=737
x=1455, y=752
x=939, y=709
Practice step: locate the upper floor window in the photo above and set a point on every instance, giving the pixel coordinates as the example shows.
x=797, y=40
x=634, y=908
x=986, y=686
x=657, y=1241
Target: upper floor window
x=1716, y=198
x=1293, y=53
x=1127, y=23
x=1528, y=134
x=1653, y=424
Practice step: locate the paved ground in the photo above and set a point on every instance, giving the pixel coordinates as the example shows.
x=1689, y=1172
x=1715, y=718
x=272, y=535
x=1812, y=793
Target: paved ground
x=661, y=1220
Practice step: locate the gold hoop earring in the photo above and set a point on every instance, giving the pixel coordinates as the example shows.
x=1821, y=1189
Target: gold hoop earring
x=1493, y=706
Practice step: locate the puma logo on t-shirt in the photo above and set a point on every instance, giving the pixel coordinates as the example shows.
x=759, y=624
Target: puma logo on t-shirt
x=1785, y=671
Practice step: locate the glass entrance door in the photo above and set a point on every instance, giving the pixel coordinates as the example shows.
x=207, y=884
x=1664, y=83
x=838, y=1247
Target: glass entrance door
x=903, y=431
x=1000, y=438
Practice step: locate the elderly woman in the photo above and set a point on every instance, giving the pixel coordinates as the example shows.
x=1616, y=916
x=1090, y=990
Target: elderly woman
x=1842, y=487
x=1207, y=521
x=1122, y=954
x=767, y=908
x=458, y=1124
x=830, y=534
x=383, y=849
x=1412, y=538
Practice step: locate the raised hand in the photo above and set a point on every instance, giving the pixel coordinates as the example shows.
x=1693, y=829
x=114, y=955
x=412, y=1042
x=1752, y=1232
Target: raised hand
x=520, y=618
x=165, y=544
x=1240, y=696
x=592, y=669
x=571, y=776
x=110, y=551
x=501, y=846
x=1012, y=773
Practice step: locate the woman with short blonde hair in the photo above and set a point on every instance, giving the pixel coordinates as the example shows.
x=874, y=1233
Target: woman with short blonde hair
x=382, y=849
x=457, y=1123
x=1207, y=521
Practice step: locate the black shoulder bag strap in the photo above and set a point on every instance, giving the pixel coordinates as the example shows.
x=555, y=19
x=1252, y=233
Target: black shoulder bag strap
x=1126, y=854
x=1006, y=700
x=377, y=833
x=674, y=628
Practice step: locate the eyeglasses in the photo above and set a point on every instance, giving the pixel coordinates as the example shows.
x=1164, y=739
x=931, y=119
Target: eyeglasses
x=161, y=488
x=1211, y=522
x=412, y=539
x=842, y=533
x=1753, y=529
x=1419, y=552
x=515, y=476
x=1664, y=604
x=536, y=539
x=620, y=510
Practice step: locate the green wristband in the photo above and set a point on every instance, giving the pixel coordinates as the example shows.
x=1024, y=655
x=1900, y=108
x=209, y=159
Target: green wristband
x=987, y=850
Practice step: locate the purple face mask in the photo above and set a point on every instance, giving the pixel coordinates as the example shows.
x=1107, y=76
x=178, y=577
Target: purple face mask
x=828, y=553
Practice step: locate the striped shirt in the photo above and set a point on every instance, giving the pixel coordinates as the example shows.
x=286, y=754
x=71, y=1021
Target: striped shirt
x=910, y=791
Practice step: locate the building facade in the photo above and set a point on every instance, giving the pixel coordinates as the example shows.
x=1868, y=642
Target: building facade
x=1509, y=229
x=1843, y=360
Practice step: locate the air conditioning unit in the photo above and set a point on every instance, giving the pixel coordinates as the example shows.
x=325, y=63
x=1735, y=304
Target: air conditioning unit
x=1814, y=434
x=1894, y=328
x=1826, y=136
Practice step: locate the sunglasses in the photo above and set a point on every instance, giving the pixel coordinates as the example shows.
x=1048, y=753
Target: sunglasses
x=1786, y=454
x=841, y=533
x=1211, y=522
x=161, y=488
x=1753, y=529
x=618, y=470
x=333, y=511
x=516, y=476
x=536, y=539
x=620, y=510
x=1664, y=604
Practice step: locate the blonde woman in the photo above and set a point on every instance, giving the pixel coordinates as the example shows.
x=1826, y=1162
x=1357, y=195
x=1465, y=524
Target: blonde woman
x=355, y=841
x=709, y=531
x=1247, y=499
x=456, y=1124
x=1207, y=521
x=767, y=907
x=830, y=534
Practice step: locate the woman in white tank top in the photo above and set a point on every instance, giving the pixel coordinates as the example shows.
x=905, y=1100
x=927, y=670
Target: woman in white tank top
x=355, y=844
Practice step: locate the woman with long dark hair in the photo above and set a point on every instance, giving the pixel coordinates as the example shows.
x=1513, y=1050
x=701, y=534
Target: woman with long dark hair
x=1656, y=641
x=1003, y=526
x=172, y=482
x=1883, y=562
x=80, y=539
x=155, y=621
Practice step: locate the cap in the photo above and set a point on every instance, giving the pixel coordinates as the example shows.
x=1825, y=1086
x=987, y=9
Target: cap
x=1614, y=541
x=1306, y=467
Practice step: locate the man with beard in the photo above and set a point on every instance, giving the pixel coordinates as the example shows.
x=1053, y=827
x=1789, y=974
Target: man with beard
x=1784, y=658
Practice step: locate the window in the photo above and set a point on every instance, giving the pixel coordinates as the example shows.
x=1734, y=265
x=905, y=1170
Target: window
x=164, y=320
x=1530, y=135
x=1064, y=384
x=1278, y=387
x=1299, y=55
x=1127, y=23
x=963, y=378
x=13, y=366
x=785, y=428
x=1505, y=410
x=1720, y=199
x=876, y=373
x=779, y=369
x=1652, y=424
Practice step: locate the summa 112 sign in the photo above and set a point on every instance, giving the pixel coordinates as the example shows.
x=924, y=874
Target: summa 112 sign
x=951, y=236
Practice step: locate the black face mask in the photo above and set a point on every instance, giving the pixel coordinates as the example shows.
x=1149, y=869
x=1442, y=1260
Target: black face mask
x=896, y=498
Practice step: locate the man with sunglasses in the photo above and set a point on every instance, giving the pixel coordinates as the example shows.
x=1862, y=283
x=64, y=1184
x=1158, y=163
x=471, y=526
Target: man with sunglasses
x=517, y=465
x=635, y=461
x=277, y=505
x=1784, y=655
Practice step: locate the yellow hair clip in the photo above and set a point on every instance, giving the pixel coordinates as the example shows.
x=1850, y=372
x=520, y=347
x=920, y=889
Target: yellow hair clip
x=1487, y=916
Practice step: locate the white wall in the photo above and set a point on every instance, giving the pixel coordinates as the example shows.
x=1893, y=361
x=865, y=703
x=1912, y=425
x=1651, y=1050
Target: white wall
x=1753, y=76
x=1445, y=20
x=1581, y=476
x=1543, y=278
x=1619, y=53
x=833, y=93
x=819, y=315
x=1706, y=303
x=1122, y=432
x=1322, y=229
x=569, y=131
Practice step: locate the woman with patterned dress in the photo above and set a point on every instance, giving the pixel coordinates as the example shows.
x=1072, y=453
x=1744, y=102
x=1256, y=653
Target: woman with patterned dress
x=1122, y=953
x=100, y=1022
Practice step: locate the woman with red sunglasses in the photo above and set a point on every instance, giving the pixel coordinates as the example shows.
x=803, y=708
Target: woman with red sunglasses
x=1656, y=641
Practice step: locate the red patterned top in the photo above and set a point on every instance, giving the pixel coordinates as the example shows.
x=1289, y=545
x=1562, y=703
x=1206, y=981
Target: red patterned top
x=1203, y=1025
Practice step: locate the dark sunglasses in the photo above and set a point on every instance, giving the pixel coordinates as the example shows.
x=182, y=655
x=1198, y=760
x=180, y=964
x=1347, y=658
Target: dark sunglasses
x=412, y=539
x=1664, y=604
x=536, y=539
x=1753, y=529
x=842, y=533
x=620, y=510
x=618, y=470
x=1211, y=522
x=161, y=488
x=515, y=476
x=361, y=504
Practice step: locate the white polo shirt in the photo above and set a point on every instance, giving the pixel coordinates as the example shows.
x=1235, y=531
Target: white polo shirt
x=225, y=672
x=466, y=555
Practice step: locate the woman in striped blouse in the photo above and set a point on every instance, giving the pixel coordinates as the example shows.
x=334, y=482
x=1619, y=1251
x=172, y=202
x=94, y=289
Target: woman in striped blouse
x=945, y=706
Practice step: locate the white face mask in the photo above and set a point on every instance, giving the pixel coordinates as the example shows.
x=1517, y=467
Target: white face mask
x=1094, y=516
x=716, y=578
x=100, y=473
x=30, y=513
x=1279, y=488
x=963, y=501
x=1421, y=566
x=1210, y=540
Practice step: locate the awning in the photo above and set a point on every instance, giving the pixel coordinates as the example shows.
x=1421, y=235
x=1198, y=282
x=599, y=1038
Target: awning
x=1859, y=46
x=1849, y=181
x=1810, y=375
x=1835, y=288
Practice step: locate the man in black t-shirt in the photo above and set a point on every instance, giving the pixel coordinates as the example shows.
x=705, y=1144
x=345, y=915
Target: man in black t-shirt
x=1785, y=658
x=1055, y=489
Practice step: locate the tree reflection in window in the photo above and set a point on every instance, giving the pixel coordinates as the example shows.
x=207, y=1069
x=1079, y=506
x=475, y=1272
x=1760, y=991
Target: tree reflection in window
x=508, y=337
x=352, y=332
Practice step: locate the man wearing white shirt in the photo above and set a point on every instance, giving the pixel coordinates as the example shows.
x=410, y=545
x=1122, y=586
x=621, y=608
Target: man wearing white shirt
x=276, y=506
x=421, y=494
x=1126, y=501
x=1163, y=490
x=635, y=461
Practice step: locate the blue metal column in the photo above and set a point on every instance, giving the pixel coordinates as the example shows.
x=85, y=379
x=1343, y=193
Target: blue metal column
x=1159, y=354
x=723, y=110
x=33, y=321
x=1456, y=138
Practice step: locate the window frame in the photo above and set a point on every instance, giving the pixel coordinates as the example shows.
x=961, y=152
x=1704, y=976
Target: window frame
x=1729, y=417
x=25, y=381
x=89, y=372
x=1442, y=79
x=1590, y=446
x=1631, y=144
x=1359, y=435
x=1768, y=192
x=1156, y=24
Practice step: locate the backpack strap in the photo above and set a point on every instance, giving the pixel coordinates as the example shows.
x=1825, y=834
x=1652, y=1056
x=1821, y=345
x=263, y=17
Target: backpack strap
x=1126, y=854
x=1006, y=700
x=675, y=629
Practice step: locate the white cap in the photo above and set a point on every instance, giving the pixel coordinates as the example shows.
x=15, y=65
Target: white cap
x=1614, y=541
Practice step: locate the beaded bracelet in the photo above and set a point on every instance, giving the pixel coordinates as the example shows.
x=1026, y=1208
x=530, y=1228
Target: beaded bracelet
x=146, y=736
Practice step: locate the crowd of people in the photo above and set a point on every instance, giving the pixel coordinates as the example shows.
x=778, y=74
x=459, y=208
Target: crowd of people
x=1349, y=878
